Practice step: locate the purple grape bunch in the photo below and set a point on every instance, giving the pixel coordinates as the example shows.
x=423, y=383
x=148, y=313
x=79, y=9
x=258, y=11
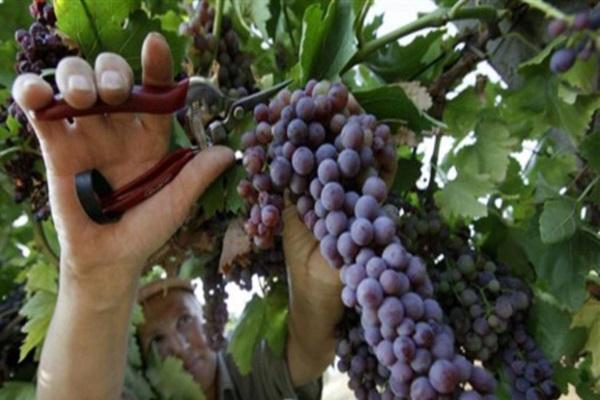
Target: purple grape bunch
x=486, y=305
x=316, y=146
x=527, y=369
x=582, y=24
x=40, y=47
x=234, y=74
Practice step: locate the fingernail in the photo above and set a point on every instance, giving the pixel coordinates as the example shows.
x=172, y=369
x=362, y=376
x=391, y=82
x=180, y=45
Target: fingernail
x=112, y=80
x=79, y=82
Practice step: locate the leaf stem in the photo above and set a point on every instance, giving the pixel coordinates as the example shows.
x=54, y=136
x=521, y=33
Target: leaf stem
x=587, y=189
x=547, y=9
x=434, y=161
x=436, y=18
x=42, y=242
x=288, y=24
x=360, y=21
x=218, y=23
x=92, y=23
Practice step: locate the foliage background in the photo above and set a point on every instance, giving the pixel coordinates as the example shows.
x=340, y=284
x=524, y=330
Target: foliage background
x=520, y=163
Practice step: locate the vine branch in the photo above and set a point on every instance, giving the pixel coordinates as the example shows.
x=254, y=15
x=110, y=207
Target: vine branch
x=218, y=22
x=434, y=19
x=42, y=242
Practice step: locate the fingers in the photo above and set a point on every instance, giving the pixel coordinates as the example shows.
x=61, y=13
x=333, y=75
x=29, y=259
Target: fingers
x=32, y=93
x=75, y=80
x=157, y=70
x=114, y=78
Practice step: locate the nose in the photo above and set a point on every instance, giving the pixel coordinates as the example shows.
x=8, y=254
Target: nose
x=177, y=345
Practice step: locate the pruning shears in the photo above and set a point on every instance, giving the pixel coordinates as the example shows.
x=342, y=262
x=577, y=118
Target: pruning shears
x=105, y=205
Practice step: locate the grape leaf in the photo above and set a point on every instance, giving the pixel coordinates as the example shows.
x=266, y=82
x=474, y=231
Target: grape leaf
x=551, y=328
x=588, y=317
x=118, y=26
x=558, y=220
x=391, y=102
x=38, y=309
x=412, y=62
x=589, y=150
x=253, y=11
x=462, y=112
x=490, y=153
x=15, y=390
x=459, y=198
x=263, y=318
x=172, y=381
x=561, y=267
x=161, y=6
x=246, y=335
x=328, y=40
x=578, y=376
x=274, y=327
x=42, y=276
x=14, y=14
x=8, y=53
x=409, y=170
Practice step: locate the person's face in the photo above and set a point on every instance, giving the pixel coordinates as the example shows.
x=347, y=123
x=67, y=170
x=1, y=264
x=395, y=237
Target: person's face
x=173, y=325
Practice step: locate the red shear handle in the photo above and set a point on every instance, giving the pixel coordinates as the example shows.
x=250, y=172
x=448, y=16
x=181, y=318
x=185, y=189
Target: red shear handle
x=143, y=99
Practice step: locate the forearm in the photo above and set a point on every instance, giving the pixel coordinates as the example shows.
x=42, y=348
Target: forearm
x=85, y=350
x=315, y=309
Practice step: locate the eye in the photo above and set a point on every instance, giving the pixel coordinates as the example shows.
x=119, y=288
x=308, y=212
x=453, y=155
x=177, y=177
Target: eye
x=185, y=319
x=156, y=339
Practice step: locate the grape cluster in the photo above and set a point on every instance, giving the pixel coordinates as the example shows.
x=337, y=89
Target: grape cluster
x=268, y=265
x=485, y=304
x=40, y=48
x=214, y=308
x=11, y=338
x=527, y=369
x=583, y=23
x=318, y=147
x=234, y=71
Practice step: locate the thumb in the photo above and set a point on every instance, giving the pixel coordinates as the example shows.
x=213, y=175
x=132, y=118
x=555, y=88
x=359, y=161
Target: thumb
x=175, y=200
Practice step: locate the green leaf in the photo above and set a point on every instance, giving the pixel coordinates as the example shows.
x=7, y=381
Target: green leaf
x=274, y=327
x=462, y=113
x=38, y=309
x=558, y=220
x=172, y=381
x=8, y=53
x=17, y=391
x=328, y=40
x=255, y=12
x=162, y=6
x=589, y=150
x=588, y=317
x=246, y=335
x=391, y=102
x=409, y=170
x=551, y=328
x=234, y=202
x=459, y=198
x=117, y=26
x=42, y=276
x=562, y=267
x=14, y=14
x=490, y=153
x=413, y=62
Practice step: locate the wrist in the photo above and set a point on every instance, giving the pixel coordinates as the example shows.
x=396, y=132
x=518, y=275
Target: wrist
x=103, y=288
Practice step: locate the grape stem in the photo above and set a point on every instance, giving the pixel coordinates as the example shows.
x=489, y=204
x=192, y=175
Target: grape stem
x=288, y=24
x=547, y=9
x=218, y=22
x=587, y=189
x=42, y=241
x=434, y=19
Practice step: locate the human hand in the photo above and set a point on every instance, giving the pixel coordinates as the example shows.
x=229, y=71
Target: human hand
x=122, y=146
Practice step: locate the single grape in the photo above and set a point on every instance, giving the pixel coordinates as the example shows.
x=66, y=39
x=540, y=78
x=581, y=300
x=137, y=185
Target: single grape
x=328, y=171
x=369, y=293
x=562, y=60
x=443, y=376
x=333, y=196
